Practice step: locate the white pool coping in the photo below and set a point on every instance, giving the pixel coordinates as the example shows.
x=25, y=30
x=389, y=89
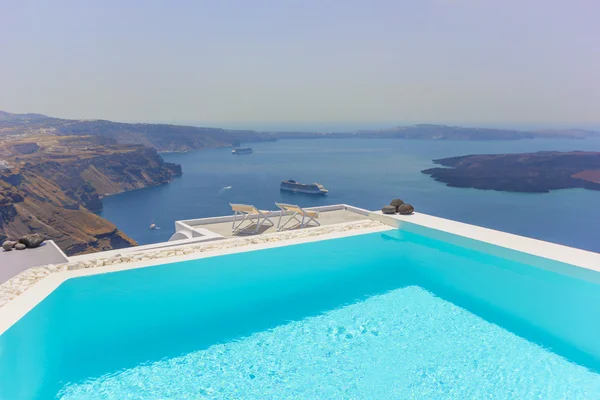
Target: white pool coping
x=526, y=248
x=21, y=305
x=539, y=248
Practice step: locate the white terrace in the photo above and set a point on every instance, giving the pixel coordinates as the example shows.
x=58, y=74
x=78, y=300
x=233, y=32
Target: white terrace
x=222, y=226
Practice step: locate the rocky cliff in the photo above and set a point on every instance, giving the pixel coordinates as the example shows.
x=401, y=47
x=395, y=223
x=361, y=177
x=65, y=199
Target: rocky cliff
x=162, y=137
x=56, y=189
x=113, y=169
x=38, y=205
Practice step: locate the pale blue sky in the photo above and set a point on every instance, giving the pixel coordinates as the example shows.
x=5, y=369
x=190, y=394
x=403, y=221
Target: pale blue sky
x=251, y=63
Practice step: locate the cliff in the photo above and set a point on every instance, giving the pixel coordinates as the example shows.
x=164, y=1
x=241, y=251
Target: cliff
x=38, y=205
x=528, y=172
x=56, y=189
x=86, y=178
x=162, y=137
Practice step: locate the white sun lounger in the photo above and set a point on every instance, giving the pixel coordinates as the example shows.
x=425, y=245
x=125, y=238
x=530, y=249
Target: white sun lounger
x=297, y=212
x=250, y=214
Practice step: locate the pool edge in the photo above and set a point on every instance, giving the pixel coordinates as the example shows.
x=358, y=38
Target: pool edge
x=17, y=308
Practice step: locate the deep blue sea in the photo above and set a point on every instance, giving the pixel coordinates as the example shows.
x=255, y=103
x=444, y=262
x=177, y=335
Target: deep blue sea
x=362, y=172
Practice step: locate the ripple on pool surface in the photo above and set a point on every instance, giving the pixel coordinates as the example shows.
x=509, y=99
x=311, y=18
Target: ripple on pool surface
x=402, y=344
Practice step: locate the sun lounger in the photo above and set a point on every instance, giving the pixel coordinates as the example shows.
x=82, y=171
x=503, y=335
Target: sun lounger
x=250, y=214
x=296, y=213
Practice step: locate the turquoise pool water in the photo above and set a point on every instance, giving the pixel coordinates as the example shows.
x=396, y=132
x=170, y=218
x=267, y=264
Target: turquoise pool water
x=384, y=315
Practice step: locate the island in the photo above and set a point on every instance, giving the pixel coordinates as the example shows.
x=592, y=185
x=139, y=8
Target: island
x=442, y=132
x=538, y=172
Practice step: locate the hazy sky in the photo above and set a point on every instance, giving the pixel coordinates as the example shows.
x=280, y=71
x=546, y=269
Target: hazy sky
x=247, y=63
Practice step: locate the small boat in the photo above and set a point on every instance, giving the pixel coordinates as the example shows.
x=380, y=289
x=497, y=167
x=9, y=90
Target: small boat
x=241, y=150
x=307, y=188
x=152, y=226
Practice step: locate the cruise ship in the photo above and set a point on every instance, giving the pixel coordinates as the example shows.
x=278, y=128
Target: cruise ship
x=241, y=150
x=310, y=188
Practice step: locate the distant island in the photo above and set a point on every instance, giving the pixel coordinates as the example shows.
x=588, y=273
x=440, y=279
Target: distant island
x=443, y=132
x=527, y=172
x=54, y=172
x=181, y=138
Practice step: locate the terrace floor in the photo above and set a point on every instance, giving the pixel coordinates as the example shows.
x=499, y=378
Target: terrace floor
x=14, y=262
x=325, y=218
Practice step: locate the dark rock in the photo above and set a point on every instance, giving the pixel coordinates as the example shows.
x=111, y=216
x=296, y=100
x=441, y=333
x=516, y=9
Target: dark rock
x=91, y=201
x=406, y=209
x=33, y=240
x=20, y=246
x=388, y=210
x=174, y=168
x=8, y=245
x=396, y=203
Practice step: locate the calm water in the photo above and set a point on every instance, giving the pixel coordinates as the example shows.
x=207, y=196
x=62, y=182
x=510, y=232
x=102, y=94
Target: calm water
x=364, y=173
x=384, y=315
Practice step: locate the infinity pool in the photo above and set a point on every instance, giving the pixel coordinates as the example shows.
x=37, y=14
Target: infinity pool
x=385, y=315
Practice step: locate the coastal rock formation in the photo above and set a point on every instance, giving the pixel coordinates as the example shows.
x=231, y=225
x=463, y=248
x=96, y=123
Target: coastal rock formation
x=39, y=205
x=55, y=190
x=102, y=171
x=8, y=245
x=20, y=246
x=528, y=172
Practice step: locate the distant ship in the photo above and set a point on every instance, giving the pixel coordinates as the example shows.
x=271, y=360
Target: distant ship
x=241, y=150
x=310, y=188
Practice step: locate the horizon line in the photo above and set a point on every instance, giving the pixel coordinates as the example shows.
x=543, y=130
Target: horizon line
x=336, y=126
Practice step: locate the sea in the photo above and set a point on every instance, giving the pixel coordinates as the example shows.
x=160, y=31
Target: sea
x=367, y=173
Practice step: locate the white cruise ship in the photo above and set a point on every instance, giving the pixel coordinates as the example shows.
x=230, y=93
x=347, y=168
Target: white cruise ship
x=310, y=188
x=241, y=150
